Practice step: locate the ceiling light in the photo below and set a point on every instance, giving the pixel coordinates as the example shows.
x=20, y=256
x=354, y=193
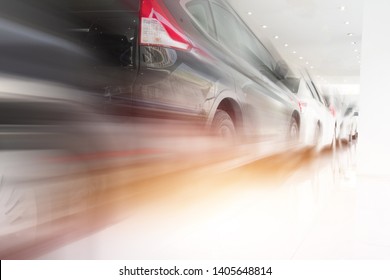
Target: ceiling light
x=250, y=13
x=300, y=57
x=311, y=67
x=342, y=8
x=349, y=34
x=264, y=26
x=276, y=37
x=307, y=63
x=356, y=50
x=347, y=22
x=286, y=45
x=354, y=43
x=294, y=52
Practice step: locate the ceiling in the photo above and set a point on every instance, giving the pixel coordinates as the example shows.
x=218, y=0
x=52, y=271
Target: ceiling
x=323, y=36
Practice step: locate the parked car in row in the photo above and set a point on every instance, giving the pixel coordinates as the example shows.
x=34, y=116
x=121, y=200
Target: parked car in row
x=192, y=60
x=348, y=126
x=49, y=128
x=336, y=104
x=317, y=120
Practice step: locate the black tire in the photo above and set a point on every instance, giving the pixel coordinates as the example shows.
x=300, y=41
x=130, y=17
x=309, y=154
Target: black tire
x=293, y=131
x=223, y=126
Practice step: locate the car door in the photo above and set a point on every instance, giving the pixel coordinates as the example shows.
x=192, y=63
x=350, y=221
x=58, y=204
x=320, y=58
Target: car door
x=267, y=108
x=326, y=119
x=310, y=116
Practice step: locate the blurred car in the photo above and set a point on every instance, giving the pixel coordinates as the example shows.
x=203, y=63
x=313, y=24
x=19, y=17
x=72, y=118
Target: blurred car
x=49, y=126
x=348, y=127
x=46, y=146
x=317, y=121
x=192, y=60
x=336, y=105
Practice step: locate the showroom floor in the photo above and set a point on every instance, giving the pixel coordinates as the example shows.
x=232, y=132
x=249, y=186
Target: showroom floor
x=286, y=207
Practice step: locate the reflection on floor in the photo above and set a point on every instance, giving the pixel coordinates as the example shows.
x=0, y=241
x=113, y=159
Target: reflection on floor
x=292, y=206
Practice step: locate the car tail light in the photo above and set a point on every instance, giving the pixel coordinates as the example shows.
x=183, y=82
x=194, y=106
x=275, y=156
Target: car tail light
x=332, y=111
x=159, y=28
x=302, y=106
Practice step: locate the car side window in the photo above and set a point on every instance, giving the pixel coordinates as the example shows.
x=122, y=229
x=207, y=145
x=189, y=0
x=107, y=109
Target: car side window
x=235, y=35
x=255, y=50
x=310, y=90
x=200, y=11
x=292, y=84
x=228, y=30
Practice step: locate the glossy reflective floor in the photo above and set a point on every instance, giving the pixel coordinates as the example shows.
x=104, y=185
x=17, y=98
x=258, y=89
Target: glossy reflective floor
x=291, y=206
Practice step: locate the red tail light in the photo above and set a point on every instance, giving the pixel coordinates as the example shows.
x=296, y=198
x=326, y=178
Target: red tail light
x=159, y=28
x=332, y=111
x=302, y=106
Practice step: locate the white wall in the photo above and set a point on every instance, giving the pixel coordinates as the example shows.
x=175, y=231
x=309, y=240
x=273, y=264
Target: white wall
x=373, y=204
x=374, y=119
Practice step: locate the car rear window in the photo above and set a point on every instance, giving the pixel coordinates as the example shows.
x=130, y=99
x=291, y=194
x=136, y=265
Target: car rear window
x=201, y=13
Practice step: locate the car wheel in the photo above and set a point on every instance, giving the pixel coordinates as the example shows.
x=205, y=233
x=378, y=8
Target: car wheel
x=294, y=131
x=223, y=126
